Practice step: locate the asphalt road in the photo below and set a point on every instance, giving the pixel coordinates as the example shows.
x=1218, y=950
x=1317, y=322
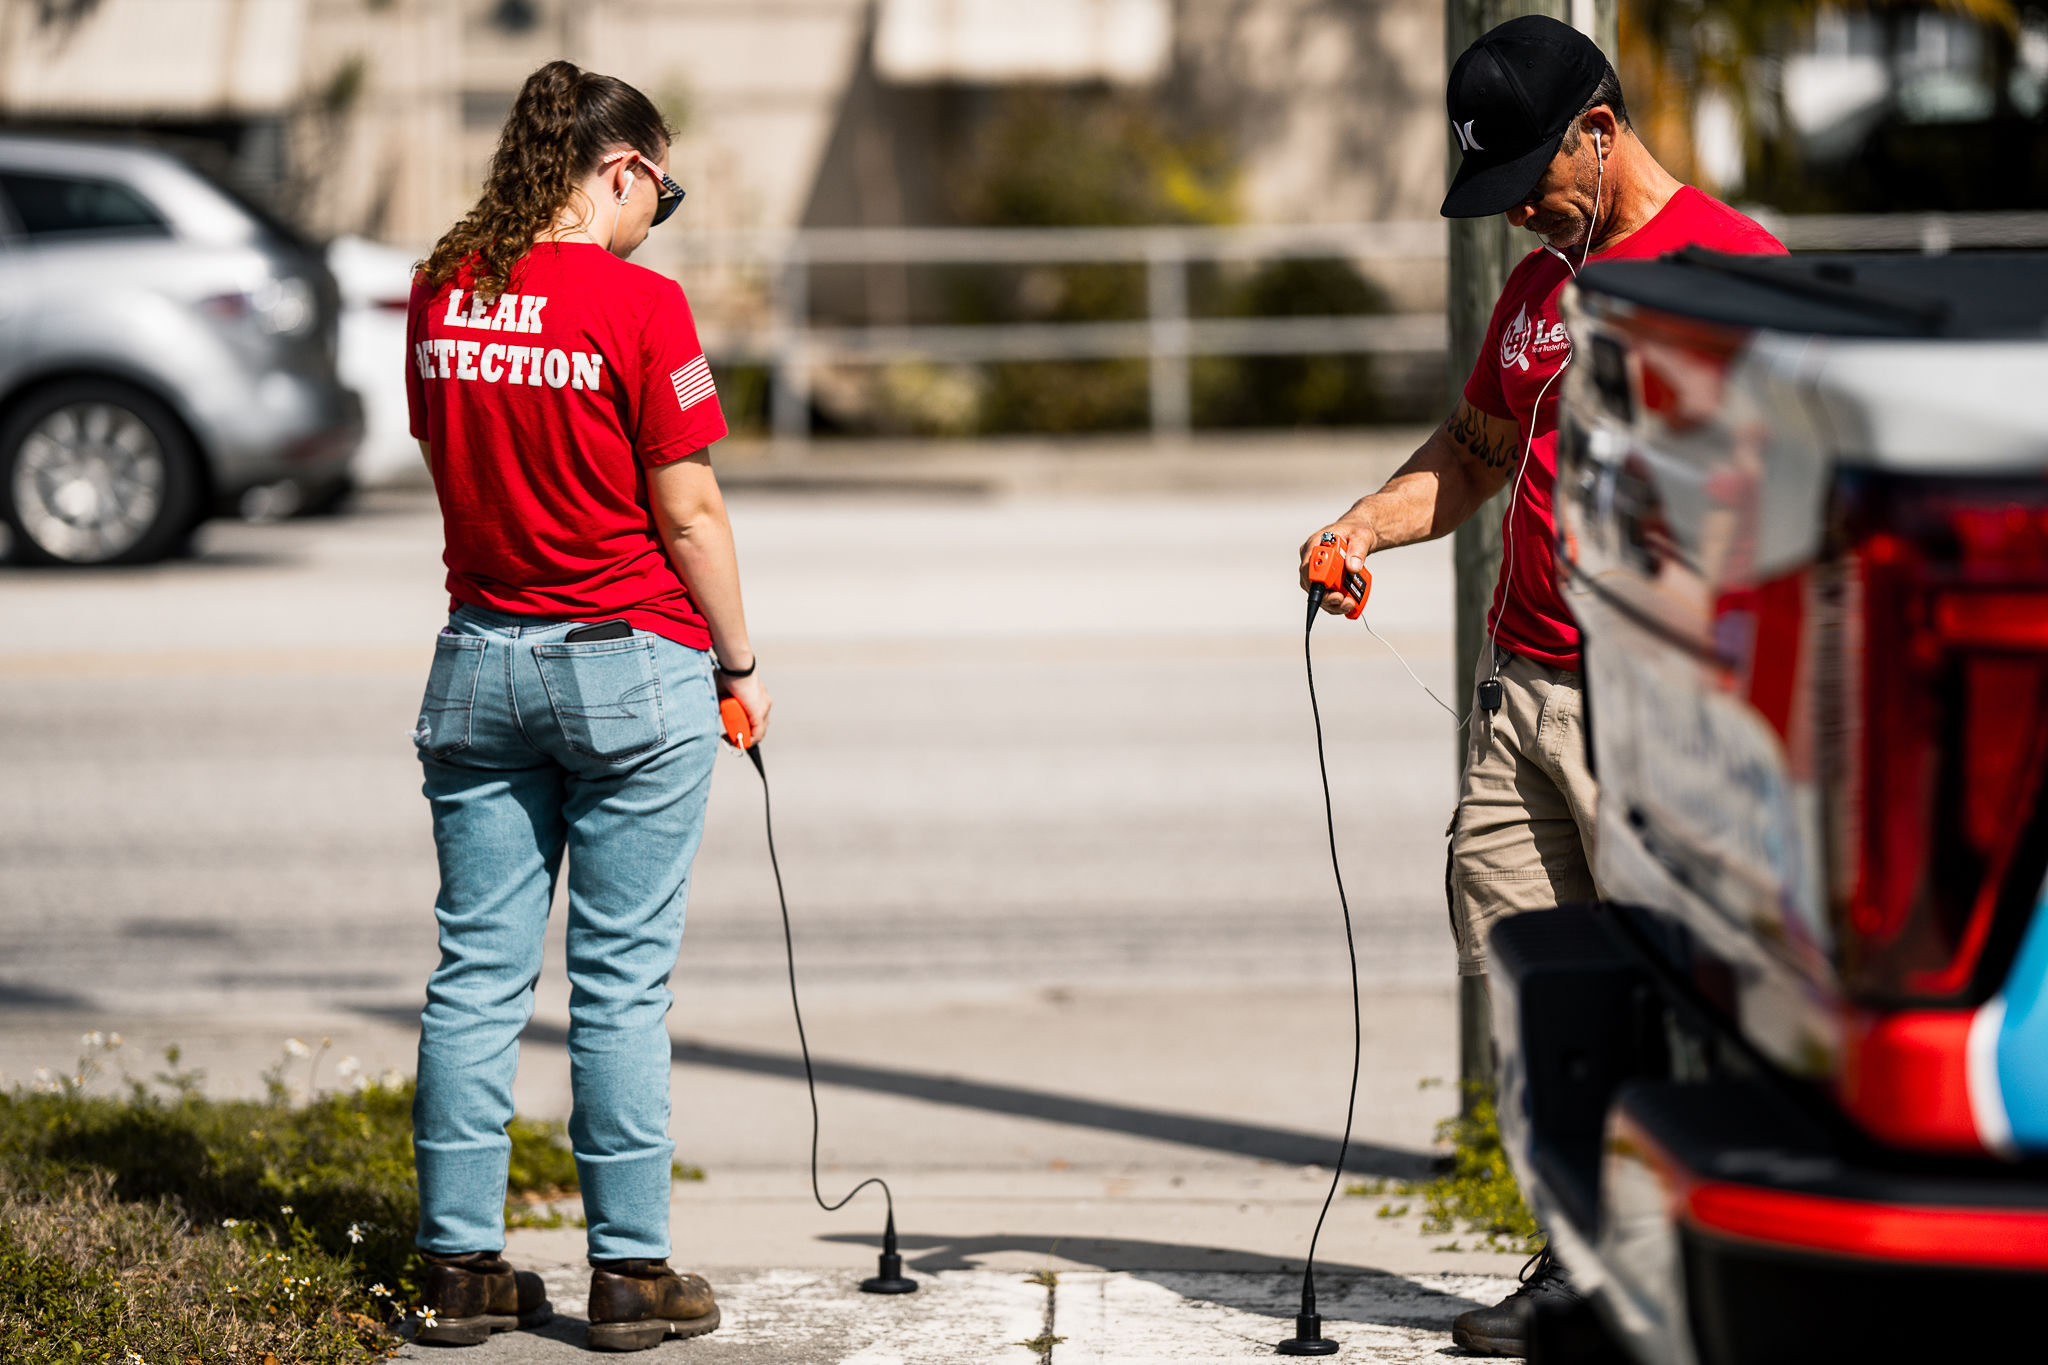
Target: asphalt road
x=1019, y=743
x=1046, y=796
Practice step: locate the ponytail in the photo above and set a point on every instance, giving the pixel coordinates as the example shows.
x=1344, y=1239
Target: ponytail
x=560, y=127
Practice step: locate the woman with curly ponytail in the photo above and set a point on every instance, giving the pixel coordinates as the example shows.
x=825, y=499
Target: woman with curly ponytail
x=566, y=408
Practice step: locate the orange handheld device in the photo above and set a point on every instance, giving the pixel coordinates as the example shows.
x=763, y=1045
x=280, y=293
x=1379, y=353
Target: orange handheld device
x=1327, y=571
x=739, y=730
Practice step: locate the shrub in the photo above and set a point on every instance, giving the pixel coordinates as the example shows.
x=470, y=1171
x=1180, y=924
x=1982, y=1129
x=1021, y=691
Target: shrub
x=1077, y=158
x=1292, y=390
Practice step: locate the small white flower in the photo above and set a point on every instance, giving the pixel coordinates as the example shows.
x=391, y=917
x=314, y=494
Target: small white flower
x=113, y=1040
x=44, y=1075
x=348, y=1067
x=380, y=1291
x=392, y=1078
x=231, y=1222
x=92, y=1040
x=355, y=1232
x=427, y=1318
x=284, y=1208
x=297, y=1047
x=133, y=1359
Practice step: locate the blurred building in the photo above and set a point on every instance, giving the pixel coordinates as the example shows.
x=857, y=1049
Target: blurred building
x=376, y=117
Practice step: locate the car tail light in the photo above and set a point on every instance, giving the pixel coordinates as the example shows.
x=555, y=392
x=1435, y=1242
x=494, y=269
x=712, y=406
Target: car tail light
x=1938, y=684
x=1905, y=1079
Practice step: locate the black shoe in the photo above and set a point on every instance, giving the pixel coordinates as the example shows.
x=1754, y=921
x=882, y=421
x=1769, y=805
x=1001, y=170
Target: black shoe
x=1503, y=1330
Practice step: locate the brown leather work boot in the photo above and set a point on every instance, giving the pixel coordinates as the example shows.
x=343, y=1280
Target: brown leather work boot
x=635, y=1304
x=476, y=1294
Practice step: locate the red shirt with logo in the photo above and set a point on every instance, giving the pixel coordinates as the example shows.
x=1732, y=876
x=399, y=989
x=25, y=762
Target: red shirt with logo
x=1516, y=379
x=540, y=408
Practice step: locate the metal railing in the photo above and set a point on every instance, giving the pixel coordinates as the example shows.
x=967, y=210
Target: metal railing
x=1932, y=233
x=1168, y=337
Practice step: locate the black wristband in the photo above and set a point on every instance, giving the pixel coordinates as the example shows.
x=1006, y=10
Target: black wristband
x=746, y=672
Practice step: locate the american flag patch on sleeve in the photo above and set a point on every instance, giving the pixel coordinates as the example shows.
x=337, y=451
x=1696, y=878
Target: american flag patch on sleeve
x=693, y=383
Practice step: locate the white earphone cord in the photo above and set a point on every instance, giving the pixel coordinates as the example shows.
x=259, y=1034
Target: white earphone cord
x=1571, y=351
x=619, y=209
x=1521, y=468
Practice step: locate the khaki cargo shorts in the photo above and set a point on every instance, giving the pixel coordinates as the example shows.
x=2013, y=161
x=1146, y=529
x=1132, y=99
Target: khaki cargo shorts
x=1522, y=838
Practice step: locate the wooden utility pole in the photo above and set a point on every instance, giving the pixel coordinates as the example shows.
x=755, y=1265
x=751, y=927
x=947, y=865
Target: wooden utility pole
x=1482, y=252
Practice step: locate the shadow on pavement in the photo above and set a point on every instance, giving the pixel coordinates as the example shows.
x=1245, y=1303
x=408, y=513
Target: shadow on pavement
x=17, y=995
x=1243, y=1280
x=1189, y=1130
x=561, y=1327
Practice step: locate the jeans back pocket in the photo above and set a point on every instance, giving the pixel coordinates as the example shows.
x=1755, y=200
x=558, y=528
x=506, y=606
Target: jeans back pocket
x=450, y=703
x=606, y=695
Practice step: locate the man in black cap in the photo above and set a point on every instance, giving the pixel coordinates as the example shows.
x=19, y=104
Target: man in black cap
x=1544, y=139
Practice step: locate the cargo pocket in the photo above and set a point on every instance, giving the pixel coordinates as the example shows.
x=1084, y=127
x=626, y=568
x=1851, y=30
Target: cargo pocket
x=450, y=702
x=606, y=696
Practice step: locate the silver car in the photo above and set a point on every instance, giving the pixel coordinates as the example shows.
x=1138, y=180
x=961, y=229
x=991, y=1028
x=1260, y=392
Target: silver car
x=165, y=351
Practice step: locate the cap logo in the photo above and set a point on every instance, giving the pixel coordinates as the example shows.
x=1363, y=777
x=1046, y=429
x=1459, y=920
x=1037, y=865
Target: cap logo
x=1466, y=142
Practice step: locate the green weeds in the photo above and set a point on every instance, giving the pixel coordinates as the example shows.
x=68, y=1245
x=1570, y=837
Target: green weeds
x=150, y=1217
x=1477, y=1196
x=86, y=1275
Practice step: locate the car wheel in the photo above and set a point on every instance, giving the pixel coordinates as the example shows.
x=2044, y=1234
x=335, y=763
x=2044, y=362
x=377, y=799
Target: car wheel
x=94, y=472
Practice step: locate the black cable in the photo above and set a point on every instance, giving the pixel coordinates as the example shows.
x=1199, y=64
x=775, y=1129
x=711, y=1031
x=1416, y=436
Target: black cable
x=797, y=1009
x=1308, y=1287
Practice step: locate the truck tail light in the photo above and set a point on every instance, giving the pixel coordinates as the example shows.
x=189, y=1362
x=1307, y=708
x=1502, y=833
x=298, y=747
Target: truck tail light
x=1940, y=691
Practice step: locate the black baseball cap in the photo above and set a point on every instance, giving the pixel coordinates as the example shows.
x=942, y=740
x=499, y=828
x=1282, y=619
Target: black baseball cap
x=1512, y=96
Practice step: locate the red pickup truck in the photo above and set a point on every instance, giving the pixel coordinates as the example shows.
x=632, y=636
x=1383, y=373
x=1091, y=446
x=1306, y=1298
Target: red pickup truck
x=1782, y=1094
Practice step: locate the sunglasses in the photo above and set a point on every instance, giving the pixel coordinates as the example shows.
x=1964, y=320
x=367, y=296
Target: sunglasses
x=667, y=193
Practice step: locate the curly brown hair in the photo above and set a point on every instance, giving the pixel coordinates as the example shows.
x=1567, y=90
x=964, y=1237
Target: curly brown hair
x=562, y=124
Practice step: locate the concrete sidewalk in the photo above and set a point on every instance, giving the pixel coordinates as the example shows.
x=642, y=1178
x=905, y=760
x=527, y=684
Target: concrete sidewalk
x=796, y=1317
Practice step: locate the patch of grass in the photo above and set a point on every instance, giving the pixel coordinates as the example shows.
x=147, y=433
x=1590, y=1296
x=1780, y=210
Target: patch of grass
x=1478, y=1195
x=231, y=1229
x=87, y=1275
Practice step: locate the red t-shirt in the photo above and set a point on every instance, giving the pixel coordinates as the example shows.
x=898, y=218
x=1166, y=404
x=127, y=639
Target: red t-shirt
x=540, y=407
x=1525, y=348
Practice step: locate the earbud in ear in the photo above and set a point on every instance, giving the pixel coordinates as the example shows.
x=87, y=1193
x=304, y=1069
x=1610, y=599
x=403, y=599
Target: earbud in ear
x=1596, y=142
x=628, y=188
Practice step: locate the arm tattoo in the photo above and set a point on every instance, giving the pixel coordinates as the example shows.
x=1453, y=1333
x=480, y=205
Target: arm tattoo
x=1465, y=428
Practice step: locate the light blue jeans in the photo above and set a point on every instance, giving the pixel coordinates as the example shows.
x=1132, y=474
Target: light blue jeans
x=533, y=746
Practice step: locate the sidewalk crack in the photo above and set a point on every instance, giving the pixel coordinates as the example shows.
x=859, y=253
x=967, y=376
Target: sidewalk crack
x=1043, y=1343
